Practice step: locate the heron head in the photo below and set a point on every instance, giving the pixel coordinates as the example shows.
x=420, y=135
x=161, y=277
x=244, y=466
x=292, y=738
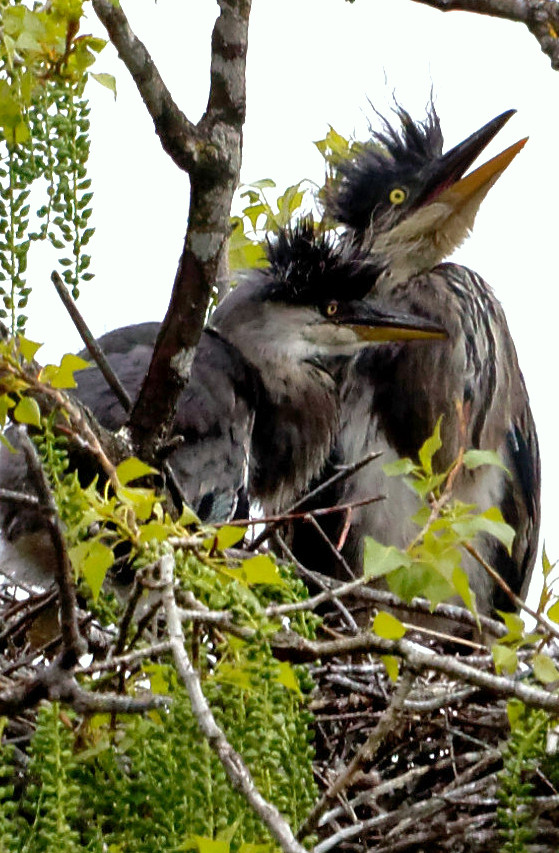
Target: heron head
x=312, y=302
x=412, y=204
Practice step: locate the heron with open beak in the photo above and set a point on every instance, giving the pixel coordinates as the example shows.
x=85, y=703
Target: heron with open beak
x=409, y=205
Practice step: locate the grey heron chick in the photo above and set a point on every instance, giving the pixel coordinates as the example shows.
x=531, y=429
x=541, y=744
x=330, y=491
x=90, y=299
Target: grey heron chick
x=409, y=205
x=261, y=409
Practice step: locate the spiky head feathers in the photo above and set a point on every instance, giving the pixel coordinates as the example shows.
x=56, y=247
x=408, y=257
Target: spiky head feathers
x=384, y=174
x=310, y=268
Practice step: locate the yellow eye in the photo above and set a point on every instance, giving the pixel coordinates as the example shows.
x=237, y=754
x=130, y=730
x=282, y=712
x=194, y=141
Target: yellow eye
x=331, y=308
x=397, y=195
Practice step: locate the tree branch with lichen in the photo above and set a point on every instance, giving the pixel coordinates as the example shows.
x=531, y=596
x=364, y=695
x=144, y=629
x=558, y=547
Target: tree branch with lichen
x=210, y=152
x=540, y=16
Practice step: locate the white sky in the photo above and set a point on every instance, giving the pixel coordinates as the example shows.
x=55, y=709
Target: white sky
x=312, y=63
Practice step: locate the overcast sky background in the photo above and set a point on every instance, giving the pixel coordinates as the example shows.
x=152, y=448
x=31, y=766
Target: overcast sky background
x=312, y=63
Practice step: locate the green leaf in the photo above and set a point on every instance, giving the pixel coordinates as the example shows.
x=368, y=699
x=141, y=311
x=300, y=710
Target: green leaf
x=334, y=147
x=461, y=584
x=227, y=833
x=106, y=80
x=206, y=845
x=387, y=626
x=225, y=537
x=154, y=530
x=92, y=560
x=553, y=612
x=545, y=669
x=505, y=659
x=158, y=675
x=475, y=458
x=547, y=566
x=492, y=522
x=261, y=569
x=141, y=500
x=514, y=624
x=288, y=203
x=425, y=485
x=95, y=43
x=515, y=711
x=244, y=253
x=239, y=676
x=28, y=348
x=6, y=403
x=399, y=467
x=263, y=184
x=188, y=517
x=132, y=469
x=421, y=579
x=287, y=677
x=380, y=559
x=27, y=412
x=254, y=211
x=392, y=665
x=430, y=447
x=62, y=376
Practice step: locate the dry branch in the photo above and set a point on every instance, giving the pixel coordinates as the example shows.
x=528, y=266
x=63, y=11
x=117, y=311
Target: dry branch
x=211, y=154
x=73, y=643
x=233, y=764
x=540, y=16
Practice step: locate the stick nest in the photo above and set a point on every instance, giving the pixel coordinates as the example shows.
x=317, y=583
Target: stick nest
x=434, y=782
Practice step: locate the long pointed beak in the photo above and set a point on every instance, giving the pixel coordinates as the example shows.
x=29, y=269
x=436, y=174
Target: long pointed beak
x=371, y=323
x=480, y=181
x=452, y=166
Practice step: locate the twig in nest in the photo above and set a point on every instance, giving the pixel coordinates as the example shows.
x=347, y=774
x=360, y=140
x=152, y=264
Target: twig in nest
x=20, y=498
x=367, y=752
x=339, y=476
x=297, y=649
x=321, y=582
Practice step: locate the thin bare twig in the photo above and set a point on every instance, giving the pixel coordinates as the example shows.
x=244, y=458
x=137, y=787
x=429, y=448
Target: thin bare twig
x=120, y=661
x=93, y=347
x=73, y=643
x=544, y=623
x=339, y=476
x=232, y=762
x=320, y=582
x=305, y=515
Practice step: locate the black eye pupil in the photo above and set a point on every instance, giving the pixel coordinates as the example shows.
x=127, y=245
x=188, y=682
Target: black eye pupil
x=397, y=195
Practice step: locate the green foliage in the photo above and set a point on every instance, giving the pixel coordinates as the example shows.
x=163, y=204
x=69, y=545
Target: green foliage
x=506, y=648
x=264, y=210
x=260, y=218
x=153, y=783
x=44, y=142
x=524, y=752
x=431, y=566
x=47, y=815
